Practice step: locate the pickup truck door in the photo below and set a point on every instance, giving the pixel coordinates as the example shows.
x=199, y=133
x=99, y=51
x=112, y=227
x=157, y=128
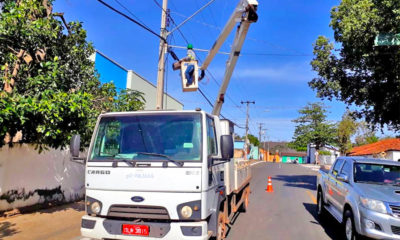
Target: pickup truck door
x=342, y=187
x=332, y=186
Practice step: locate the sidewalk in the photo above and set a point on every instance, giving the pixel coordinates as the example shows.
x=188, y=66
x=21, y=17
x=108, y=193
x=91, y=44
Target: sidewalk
x=58, y=223
x=312, y=167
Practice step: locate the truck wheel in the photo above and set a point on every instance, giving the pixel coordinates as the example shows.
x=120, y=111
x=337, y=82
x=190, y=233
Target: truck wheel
x=245, y=204
x=221, y=230
x=320, y=205
x=349, y=228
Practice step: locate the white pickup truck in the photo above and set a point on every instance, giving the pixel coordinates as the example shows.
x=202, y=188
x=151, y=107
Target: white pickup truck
x=364, y=195
x=162, y=175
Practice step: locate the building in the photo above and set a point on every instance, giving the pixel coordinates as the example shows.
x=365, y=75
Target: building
x=386, y=149
x=280, y=152
x=109, y=70
x=313, y=154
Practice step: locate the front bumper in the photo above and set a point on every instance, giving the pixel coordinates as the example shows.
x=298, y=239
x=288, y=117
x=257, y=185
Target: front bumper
x=102, y=228
x=384, y=221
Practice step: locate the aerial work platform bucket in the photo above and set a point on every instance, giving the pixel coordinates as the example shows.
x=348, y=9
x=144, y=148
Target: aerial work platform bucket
x=195, y=84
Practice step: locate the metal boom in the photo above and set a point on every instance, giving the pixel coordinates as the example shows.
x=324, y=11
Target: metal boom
x=244, y=14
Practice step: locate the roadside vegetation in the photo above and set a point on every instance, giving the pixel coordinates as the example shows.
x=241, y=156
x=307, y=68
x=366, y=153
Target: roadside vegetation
x=49, y=89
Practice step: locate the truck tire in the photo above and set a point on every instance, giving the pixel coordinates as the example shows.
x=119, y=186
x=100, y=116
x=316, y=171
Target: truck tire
x=244, y=206
x=349, y=227
x=320, y=205
x=221, y=228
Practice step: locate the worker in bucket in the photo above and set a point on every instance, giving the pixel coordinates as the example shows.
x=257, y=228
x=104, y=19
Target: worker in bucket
x=190, y=56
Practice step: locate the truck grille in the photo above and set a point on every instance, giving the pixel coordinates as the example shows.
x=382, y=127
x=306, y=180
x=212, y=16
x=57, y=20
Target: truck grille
x=138, y=212
x=395, y=210
x=396, y=230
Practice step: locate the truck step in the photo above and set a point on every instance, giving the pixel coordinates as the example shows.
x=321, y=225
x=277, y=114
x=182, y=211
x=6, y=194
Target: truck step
x=335, y=213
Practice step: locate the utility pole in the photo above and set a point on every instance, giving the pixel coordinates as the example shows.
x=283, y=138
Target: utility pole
x=161, y=58
x=247, y=122
x=260, y=125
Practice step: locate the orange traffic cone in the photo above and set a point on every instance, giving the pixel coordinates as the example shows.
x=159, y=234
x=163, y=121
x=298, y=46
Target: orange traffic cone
x=269, y=186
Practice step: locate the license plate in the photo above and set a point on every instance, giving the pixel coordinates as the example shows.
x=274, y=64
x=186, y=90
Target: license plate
x=131, y=229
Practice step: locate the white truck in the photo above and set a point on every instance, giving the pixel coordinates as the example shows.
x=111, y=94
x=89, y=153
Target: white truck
x=167, y=174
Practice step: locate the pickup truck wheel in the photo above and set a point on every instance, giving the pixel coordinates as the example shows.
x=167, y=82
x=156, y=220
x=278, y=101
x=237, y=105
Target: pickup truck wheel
x=349, y=228
x=320, y=205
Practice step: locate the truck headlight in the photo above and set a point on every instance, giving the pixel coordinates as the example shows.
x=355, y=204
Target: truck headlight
x=374, y=205
x=95, y=207
x=186, y=212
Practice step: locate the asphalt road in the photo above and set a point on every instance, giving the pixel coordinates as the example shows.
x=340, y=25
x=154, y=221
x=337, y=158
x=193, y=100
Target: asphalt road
x=287, y=213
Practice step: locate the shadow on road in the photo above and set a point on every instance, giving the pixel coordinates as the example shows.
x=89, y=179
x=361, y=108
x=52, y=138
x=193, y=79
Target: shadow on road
x=331, y=227
x=300, y=181
x=7, y=229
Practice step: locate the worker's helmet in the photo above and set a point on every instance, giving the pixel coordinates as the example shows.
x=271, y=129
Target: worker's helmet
x=189, y=46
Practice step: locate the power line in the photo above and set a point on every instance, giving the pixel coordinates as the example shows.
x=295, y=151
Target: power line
x=119, y=3
x=132, y=20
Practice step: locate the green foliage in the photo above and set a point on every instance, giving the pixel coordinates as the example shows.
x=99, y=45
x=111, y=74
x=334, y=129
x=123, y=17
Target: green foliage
x=324, y=153
x=346, y=129
x=312, y=127
x=56, y=93
x=365, y=134
x=253, y=140
x=358, y=73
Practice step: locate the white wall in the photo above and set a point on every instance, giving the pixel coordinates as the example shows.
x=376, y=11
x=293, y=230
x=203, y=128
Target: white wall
x=28, y=178
x=396, y=155
x=136, y=82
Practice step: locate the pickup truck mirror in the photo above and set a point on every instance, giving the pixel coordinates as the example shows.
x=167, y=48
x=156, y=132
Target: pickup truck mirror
x=75, y=146
x=227, y=147
x=343, y=177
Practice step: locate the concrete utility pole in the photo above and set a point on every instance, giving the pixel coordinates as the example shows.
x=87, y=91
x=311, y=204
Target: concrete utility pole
x=161, y=58
x=260, y=125
x=247, y=122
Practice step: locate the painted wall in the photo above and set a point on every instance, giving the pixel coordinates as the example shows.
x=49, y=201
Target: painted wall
x=28, y=178
x=290, y=159
x=109, y=70
x=136, y=82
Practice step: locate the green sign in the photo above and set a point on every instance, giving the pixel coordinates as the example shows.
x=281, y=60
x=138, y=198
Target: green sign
x=387, y=39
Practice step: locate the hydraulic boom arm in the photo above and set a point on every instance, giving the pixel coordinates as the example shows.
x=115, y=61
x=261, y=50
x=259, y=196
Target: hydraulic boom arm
x=244, y=14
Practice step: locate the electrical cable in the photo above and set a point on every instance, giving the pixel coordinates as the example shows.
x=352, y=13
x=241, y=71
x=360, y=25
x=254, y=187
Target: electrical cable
x=119, y=3
x=132, y=20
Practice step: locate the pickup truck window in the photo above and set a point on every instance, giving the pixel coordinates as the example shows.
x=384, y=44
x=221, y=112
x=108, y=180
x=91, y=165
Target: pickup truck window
x=148, y=137
x=211, y=139
x=346, y=169
x=377, y=174
x=337, y=167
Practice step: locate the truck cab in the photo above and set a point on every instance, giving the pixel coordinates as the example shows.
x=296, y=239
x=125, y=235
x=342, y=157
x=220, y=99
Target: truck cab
x=159, y=175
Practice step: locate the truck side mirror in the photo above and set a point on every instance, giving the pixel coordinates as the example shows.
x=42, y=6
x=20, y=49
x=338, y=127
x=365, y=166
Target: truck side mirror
x=226, y=147
x=75, y=146
x=343, y=177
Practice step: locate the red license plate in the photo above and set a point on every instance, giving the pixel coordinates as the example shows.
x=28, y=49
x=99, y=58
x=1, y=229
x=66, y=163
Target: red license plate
x=130, y=229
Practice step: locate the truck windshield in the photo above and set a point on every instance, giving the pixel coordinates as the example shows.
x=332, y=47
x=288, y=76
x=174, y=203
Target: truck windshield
x=152, y=137
x=377, y=173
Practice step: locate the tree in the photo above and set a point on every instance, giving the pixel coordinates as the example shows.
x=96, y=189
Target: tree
x=365, y=134
x=346, y=129
x=358, y=73
x=48, y=87
x=253, y=140
x=312, y=127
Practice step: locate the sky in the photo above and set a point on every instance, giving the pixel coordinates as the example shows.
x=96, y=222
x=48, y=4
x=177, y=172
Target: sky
x=273, y=70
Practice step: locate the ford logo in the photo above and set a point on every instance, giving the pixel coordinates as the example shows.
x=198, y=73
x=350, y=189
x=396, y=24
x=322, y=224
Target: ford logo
x=137, y=199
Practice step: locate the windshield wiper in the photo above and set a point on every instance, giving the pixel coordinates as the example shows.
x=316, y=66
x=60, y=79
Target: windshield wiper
x=179, y=164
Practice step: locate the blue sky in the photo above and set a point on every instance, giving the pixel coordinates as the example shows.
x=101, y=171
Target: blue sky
x=273, y=70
